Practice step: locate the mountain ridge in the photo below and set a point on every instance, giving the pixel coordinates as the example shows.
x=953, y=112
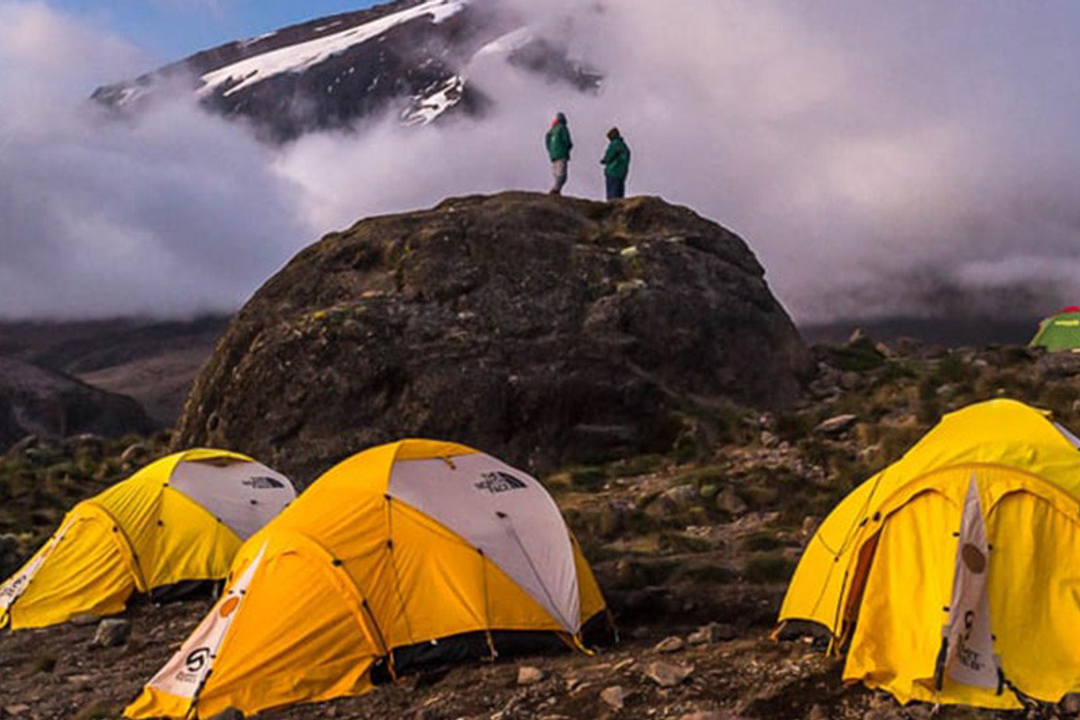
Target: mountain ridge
x=408, y=58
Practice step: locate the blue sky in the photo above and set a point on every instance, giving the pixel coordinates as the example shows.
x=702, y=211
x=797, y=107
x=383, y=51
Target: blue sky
x=172, y=29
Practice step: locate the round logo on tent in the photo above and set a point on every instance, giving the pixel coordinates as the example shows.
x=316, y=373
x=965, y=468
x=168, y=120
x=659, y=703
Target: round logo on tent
x=197, y=659
x=973, y=558
x=229, y=607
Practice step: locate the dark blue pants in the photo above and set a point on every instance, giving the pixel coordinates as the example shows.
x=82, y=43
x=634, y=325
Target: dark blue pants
x=616, y=187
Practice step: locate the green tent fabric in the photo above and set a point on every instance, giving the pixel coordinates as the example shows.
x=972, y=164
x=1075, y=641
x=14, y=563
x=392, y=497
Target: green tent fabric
x=1060, y=331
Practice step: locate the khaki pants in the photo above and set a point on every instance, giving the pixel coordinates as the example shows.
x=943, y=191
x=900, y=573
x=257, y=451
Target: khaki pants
x=559, y=171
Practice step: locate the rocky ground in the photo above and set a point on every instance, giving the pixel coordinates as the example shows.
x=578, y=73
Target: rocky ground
x=693, y=551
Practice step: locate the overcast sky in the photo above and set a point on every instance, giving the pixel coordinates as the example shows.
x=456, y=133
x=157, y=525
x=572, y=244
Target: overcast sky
x=896, y=157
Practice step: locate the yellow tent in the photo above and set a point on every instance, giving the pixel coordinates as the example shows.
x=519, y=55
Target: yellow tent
x=951, y=576
x=403, y=556
x=178, y=520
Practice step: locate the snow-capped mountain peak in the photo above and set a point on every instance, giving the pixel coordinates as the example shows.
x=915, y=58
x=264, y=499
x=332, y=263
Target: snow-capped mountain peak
x=406, y=57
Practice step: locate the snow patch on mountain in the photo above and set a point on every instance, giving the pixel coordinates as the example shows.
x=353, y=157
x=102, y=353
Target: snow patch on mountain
x=444, y=96
x=299, y=57
x=508, y=43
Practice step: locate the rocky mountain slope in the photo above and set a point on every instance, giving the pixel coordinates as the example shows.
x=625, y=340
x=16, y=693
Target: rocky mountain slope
x=696, y=549
x=41, y=402
x=153, y=362
x=545, y=330
x=409, y=57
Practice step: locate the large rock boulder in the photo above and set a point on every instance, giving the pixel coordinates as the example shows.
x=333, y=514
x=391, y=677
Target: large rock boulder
x=52, y=405
x=544, y=330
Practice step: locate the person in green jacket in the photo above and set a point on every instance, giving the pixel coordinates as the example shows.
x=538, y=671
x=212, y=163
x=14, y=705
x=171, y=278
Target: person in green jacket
x=616, y=164
x=558, y=146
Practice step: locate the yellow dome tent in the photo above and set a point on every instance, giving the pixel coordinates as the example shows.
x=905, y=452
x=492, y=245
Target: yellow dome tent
x=403, y=556
x=178, y=520
x=951, y=576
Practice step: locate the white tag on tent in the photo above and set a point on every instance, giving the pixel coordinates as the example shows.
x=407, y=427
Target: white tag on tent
x=971, y=659
x=187, y=670
x=16, y=585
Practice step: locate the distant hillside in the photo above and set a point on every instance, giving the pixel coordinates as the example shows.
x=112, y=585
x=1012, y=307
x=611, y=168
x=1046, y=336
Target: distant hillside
x=152, y=361
x=944, y=331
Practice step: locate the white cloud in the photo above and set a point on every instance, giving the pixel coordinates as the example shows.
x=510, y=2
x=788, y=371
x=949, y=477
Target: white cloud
x=173, y=213
x=875, y=158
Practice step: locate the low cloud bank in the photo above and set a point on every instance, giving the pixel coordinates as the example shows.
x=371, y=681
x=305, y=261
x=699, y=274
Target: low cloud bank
x=906, y=159
x=168, y=214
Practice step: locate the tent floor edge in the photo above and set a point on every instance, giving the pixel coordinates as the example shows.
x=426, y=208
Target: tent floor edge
x=474, y=647
x=185, y=590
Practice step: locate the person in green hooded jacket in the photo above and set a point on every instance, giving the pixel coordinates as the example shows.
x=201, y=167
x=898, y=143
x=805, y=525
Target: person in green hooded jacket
x=558, y=144
x=616, y=164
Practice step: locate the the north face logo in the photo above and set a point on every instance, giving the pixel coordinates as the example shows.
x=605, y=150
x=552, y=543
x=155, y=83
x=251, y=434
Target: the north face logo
x=500, y=482
x=12, y=589
x=261, y=482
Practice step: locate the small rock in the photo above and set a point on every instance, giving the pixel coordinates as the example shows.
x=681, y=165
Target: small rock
x=135, y=454
x=818, y=713
x=712, y=633
x=769, y=439
x=630, y=285
x=946, y=390
x=667, y=674
x=1071, y=703
x=112, y=632
x=84, y=620
x=729, y=501
x=79, y=679
x=885, y=351
x=682, y=495
x=528, y=675
x=614, y=697
x=857, y=337
x=670, y=645
x=672, y=501
x=836, y=426
x=16, y=710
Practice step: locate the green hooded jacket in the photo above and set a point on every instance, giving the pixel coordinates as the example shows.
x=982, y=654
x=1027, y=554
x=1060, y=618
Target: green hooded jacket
x=617, y=159
x=558, y=141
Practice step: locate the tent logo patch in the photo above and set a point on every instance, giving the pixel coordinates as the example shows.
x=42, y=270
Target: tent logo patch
x=500, y=482
x=261, y=482
x=973, y=558
x=197, y=660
